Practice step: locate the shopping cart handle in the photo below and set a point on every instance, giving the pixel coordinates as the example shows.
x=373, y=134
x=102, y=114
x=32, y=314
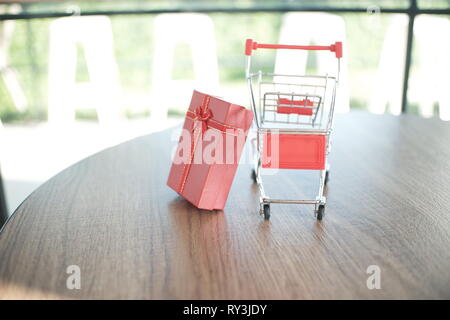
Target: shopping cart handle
x=251, y=45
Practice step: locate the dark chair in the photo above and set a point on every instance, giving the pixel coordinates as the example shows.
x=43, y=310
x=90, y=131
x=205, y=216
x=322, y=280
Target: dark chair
x=3, y=212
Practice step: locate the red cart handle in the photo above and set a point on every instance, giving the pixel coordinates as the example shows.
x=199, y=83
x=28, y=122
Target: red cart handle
x=251, y=45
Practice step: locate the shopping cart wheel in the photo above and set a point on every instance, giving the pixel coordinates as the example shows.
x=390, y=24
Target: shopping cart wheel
x=320, y=212
x=327, y=176
x=254, y=175
x=266, y=209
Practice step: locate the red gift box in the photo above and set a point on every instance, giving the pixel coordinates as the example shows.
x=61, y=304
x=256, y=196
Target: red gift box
x=208, y=152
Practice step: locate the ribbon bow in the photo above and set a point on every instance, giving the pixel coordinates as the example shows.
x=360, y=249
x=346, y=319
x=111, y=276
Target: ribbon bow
x=203, y=114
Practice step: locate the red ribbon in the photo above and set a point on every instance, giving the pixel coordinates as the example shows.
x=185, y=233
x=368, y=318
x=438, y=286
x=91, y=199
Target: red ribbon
x=201, y=114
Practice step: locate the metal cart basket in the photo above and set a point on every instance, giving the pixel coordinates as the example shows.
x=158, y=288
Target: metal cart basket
x=293, y=116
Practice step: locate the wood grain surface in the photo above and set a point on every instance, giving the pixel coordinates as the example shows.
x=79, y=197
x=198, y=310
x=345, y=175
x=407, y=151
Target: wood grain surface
x=132, y=237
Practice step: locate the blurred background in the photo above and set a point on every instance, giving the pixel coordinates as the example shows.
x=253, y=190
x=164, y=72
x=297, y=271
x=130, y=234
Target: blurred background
x=79, y=76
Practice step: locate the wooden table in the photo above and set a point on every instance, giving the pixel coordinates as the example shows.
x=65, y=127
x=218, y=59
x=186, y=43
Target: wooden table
x=132, y=237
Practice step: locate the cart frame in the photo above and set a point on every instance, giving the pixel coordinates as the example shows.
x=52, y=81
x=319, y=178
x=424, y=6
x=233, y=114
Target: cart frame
x=299, y=127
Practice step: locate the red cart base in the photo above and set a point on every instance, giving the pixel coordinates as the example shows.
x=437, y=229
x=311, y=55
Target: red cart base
x=294, y=151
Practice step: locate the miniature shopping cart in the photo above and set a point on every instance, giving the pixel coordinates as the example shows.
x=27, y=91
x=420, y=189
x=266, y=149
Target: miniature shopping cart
x=293, y=120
